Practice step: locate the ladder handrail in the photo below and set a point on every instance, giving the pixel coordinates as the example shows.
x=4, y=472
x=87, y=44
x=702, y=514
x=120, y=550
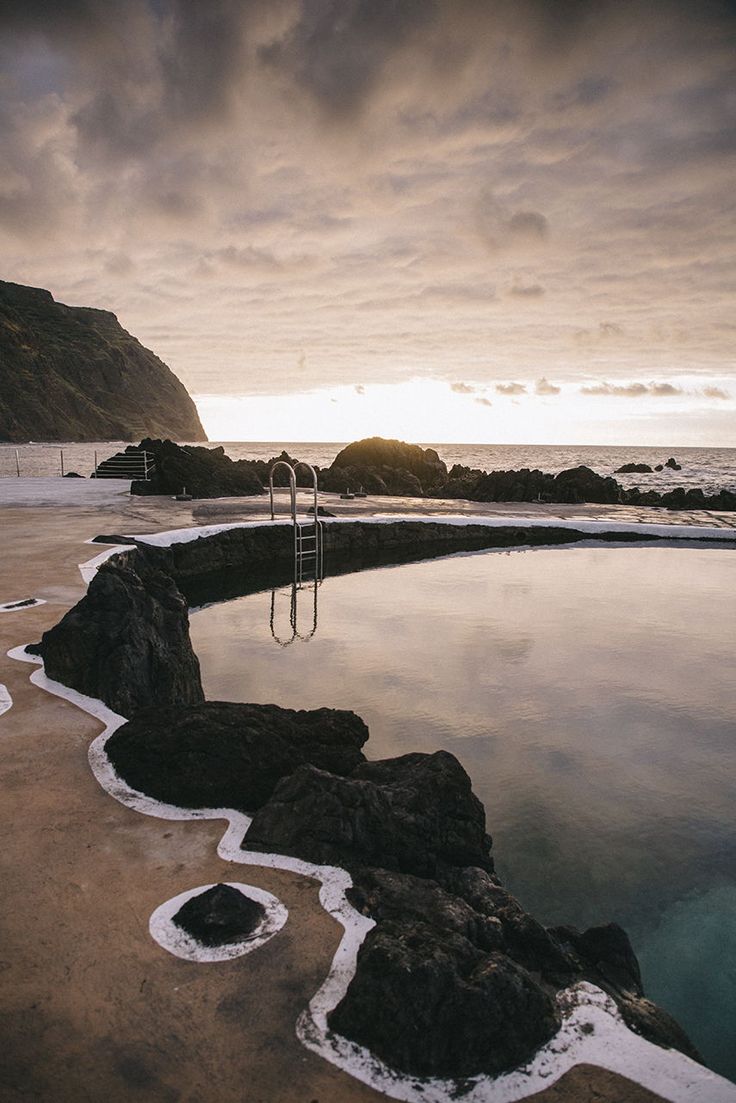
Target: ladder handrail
x=292, y=486
x=300, y=555
x=309, y=467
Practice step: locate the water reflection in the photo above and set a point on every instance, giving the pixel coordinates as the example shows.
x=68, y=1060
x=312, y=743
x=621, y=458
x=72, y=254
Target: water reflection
x=293, y=594
x=587, y=692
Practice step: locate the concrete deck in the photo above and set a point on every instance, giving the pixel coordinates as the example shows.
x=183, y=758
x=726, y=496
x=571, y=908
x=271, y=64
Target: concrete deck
x=91, y=1008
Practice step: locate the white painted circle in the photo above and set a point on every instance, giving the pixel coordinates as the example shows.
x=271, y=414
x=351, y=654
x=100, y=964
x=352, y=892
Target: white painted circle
x=171, y=937
x=6, y=701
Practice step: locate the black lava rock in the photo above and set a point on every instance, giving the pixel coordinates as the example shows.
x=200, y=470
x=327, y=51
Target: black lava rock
x=432, y=1004
x=205, y=472
x=415, y=814
x=126, y=642
x=221, y=754
x=220, y=915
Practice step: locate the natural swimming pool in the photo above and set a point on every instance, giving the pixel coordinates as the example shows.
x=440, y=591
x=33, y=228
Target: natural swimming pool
x=589, y=693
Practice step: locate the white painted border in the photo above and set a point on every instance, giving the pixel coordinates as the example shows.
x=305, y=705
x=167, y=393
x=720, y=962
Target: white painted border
x=609, y=1045
x=89, y=568
x=16, y=607
x=171, y=937
x=6, y=701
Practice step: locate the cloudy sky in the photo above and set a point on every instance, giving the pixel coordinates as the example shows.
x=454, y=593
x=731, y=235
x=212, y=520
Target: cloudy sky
x=458, y=220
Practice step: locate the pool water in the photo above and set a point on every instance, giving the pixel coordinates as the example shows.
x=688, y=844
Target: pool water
x=588, y=691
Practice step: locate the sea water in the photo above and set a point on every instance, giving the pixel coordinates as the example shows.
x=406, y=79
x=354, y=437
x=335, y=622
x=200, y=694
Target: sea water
x=711, y=469
x=588, y=692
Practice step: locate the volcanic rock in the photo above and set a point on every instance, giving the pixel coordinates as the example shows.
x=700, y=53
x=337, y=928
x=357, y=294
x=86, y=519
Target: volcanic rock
x=73, y=373
x=126, y=642
x=416, y=814
x=385, y=467
x=673, y=464
x=630, y=468
x=384, y=894
x=608, y=950
x=205, y=472
x=432, y=1004
x=220, y=915
x=221, y=754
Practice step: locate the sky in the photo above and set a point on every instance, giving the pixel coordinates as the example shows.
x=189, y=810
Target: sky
x=478, y=221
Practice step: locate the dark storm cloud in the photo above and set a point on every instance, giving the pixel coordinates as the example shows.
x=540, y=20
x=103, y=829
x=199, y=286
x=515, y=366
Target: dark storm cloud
x=633, y=390
x=337, y=49
x=402, y=186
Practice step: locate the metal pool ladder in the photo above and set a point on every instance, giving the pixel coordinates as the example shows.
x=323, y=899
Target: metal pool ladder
x=308, y=535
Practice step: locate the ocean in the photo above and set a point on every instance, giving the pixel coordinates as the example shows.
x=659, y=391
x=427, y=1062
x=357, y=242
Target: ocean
x=711, y=469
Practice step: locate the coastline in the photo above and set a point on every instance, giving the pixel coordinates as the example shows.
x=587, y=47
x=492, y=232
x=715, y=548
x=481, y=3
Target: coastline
x=44, y=548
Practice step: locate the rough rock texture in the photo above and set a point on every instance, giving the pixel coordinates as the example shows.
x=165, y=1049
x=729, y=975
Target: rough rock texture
x=385, y=467
x=432, y=1004
x=221, y=754
x=205, y=472
x=416, y=814
x=126, y=642
x=575, y=485
x=430, y=937
x=220, y=915
x=73, y=373
x=634, y=468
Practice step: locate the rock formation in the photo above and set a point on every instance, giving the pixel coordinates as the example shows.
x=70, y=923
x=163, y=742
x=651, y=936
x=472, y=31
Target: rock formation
x=126, y=642
x=456, y=978
x=220, y=915
x=204, y=472
x=73, y=373
x=385, y=467
x=392, y=467
x=223, y=754
x=415, y=814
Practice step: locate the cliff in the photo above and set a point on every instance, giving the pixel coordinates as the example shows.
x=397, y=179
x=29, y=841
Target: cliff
x=73, y=373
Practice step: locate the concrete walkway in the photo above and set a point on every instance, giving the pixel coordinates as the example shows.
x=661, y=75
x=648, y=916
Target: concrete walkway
x=91, y=1008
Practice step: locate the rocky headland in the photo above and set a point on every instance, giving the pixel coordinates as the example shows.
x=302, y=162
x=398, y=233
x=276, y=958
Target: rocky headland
x=455, y=978
x=73, y=373
x=380, y=467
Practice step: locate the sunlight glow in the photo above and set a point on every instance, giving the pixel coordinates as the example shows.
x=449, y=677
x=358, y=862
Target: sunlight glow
x=432, y=410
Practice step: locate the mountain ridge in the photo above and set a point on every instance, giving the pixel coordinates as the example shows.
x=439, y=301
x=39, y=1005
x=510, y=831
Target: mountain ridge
x=73, y=373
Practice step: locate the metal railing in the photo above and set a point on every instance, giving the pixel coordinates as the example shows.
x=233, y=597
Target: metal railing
x=308, y=556
x=47, y=461
x=126, y=465
x=308, y=545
